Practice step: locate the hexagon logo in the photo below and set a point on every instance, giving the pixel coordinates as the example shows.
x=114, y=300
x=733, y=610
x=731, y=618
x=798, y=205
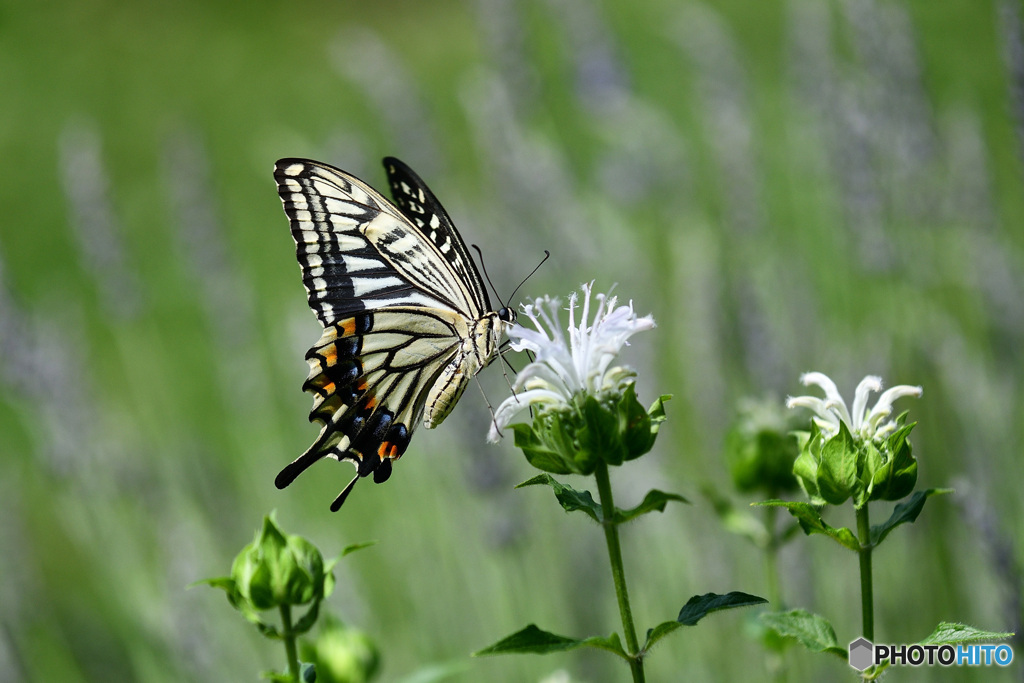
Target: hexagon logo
x=861, y=654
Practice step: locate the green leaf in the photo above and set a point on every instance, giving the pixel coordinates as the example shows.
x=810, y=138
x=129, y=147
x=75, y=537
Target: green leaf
x=660, y=631
x=356, y=546
x=837, y=471
x=532, y=640
x=572, y=500
x=308, y=673
x=947, y=633
x=698, y=607
x=812, y=523
x=608, y=643
x=538, y=453
x=655, y=500
x=308, y=619
x=897, y=478
x=634, y=425
x=569, y=498
x=601, y=436
x=812, y=631
x=657, y=412
x=904, y=513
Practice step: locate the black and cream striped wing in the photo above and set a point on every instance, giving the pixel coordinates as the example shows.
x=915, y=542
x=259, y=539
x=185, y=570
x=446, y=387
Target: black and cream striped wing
x=369, y=376
x=397, y=294
x=420, y=206
x=359, y=252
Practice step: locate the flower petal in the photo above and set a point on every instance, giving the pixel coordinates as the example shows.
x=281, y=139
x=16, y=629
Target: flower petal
x=831, y=392
x=883, y=407
x=860, y=400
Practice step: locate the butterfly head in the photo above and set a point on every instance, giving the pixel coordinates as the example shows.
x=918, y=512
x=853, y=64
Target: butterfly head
x=507, y=315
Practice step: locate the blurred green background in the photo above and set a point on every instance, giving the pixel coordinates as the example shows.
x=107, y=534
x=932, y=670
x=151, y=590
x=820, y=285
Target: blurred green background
x=786, y=185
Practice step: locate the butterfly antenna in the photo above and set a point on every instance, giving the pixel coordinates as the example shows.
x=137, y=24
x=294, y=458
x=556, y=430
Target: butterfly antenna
x=547, y=255
x=483, y=267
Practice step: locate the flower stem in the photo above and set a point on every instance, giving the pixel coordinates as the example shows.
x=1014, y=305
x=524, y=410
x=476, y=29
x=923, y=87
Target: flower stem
x=866, y=591
x=289, y=642
x=771, y=559
x=775, y=661
x=611, y=535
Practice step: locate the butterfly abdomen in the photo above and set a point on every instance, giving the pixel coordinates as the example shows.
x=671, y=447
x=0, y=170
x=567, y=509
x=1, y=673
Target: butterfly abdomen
x=480, y=339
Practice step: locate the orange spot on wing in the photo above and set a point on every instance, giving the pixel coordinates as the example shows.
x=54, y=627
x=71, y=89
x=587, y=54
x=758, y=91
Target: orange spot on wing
x=331, y=354
x=348, y=327
x=387, y=450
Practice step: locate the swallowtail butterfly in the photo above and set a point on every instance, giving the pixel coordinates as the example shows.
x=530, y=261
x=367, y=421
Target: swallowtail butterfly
x=407, y=321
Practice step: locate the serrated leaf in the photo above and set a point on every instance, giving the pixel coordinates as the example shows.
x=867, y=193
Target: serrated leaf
x=569, y=498
x=947, y=633
x=812, y=523
x=654, y=501
x=904, y=513
x=529, y=640
x=812, y=631
x=532, y=640
x=699, y=606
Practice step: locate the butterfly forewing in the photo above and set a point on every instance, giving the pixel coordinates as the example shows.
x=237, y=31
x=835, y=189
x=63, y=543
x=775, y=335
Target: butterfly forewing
x=356, y=250
x=418, y=203
x=406, y=318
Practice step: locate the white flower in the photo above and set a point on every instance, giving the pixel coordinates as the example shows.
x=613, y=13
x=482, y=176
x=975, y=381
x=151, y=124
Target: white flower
x=562, y=370
x=864, y=424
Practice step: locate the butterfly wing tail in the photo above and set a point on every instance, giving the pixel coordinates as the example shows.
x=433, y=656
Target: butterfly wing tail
x=321, y=448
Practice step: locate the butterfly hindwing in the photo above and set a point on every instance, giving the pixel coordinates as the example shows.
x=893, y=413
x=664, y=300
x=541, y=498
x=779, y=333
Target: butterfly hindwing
x=406, y=319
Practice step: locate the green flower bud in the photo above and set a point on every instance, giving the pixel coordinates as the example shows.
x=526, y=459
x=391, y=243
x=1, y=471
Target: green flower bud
x=342, y=654
x=275, y=570
x=761, y=448
x=278, y=569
